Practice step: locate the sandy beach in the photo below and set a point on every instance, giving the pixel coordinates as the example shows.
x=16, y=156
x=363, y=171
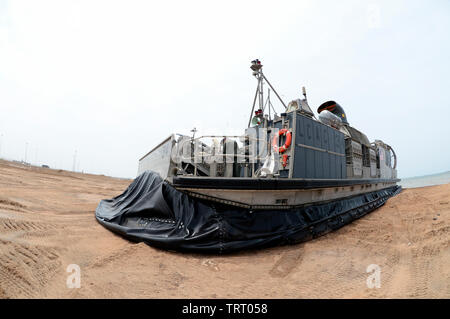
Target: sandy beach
x=47, y=223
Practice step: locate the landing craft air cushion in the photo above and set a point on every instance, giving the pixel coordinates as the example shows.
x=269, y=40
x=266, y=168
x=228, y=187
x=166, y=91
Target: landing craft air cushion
x=289, y=178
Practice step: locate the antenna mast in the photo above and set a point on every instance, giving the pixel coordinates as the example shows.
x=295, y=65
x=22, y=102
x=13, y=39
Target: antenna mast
x=257, y=72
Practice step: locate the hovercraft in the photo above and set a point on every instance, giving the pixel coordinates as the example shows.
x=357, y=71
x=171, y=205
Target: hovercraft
x=289, y=178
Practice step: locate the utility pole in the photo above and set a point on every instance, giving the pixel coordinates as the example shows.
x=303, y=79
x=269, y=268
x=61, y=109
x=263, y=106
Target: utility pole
x=74, y=161
x=35, y=157
x=1, y=139
x=26, y=150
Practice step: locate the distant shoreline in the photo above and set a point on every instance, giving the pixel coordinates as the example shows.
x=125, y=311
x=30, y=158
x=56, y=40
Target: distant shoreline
x=426, y=180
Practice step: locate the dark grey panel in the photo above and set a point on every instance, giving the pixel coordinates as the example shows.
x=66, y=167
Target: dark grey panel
x=311, y=162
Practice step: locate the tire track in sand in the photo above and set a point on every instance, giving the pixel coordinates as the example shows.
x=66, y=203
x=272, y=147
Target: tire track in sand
x=25, y=268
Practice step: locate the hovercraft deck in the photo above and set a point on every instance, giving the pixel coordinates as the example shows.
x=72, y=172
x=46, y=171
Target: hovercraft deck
x=261, y=193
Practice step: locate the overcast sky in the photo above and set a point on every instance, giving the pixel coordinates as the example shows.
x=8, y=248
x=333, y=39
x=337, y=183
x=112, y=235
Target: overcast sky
x=111, y=79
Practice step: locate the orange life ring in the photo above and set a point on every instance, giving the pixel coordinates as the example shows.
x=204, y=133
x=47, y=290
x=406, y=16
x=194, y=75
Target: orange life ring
x=286, y=145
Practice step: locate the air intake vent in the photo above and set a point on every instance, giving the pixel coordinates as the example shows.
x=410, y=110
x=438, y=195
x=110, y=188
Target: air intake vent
x=334, y=108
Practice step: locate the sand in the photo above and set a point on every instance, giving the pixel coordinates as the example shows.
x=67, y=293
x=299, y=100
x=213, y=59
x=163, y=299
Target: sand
x=47, y=223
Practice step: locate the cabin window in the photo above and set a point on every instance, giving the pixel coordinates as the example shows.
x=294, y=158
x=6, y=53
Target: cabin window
x=292, y=106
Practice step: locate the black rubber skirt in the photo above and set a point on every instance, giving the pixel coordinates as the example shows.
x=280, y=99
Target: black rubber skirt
x=153, y=211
